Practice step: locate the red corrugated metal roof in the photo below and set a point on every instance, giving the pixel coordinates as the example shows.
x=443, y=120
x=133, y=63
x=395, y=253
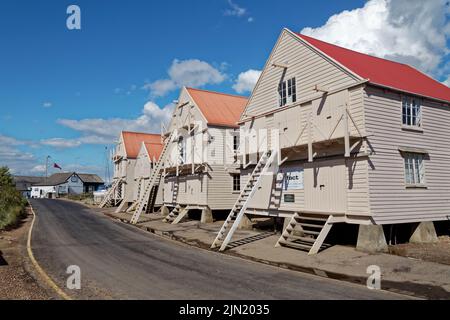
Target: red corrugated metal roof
x=383, y=72
x=133, y=142
x=219, y=108
x=154, y=150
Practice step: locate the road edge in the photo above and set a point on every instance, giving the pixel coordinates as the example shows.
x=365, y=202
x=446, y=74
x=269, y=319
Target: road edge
x=36, y=265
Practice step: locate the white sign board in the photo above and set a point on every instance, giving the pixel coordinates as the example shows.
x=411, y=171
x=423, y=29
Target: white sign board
x=293, y=179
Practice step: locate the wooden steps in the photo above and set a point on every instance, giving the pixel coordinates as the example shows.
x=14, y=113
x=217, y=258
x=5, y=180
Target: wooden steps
x=313, y=230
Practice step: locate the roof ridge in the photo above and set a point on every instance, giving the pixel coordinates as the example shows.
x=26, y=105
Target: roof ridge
x=150, y=134
x=216, y=92
x=357, y=52
x=381, y=71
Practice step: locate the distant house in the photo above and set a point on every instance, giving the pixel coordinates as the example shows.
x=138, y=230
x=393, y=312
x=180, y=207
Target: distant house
x=60, y=184
x=25, y=183
x=91, y=182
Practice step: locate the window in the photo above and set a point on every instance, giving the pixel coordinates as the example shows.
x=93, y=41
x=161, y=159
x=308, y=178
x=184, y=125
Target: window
x=181, y=153
x=287, y=92
x=236, y=182
x=235, y=142
x=414, y=169
x=74, y=179
x=411, y=112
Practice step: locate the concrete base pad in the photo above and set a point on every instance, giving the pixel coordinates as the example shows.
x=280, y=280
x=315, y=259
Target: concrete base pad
x=246, y=223
x=207, y=216
x=424, y=233
x=371, y=239
x=165, y=211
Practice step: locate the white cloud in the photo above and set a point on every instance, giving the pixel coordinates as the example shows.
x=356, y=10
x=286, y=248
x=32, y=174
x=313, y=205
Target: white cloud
x=10, y=141
x=235, y=10
x=246, y=81
x=106, y=131
x=191, y=73
x=409, y=31
x=25, y=163
x=38, y=169
x=17, y=160
x=447, y=82
x=47, y=104
x=159, y=88
x=61, y=142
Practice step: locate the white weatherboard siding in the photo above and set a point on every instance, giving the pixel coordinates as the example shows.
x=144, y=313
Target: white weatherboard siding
x=142, y=172
x=214, y=186
x=345, y=183
x=42, y=191
x=305, y=64
x=186, y=190
x=369, y=185
x=129, y=187
x=220, y=188
x=72, y=187
x=390, y=200
x=345, y=190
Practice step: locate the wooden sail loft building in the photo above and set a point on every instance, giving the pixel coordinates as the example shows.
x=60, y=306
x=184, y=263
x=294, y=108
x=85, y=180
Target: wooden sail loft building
x=201, y=171
x=350, y=138
x=124, y=186
x=146, y=161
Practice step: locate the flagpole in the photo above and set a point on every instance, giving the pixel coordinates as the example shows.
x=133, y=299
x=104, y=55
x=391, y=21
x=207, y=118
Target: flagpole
x=46, y=168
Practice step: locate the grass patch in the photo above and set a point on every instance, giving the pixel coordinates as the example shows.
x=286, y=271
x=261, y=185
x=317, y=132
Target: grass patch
x=80, y=197
x=10, y=217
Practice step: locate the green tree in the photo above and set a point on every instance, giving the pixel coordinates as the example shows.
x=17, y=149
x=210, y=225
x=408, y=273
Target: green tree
x=11, y=202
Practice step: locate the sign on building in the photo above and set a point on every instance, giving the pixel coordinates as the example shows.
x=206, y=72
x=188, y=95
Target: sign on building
x=293, y=179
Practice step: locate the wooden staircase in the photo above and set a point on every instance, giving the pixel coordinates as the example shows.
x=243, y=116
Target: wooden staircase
x=151, y=189
x=237, y=212
x=110, y=196
x=313, y=229
x=177, y=214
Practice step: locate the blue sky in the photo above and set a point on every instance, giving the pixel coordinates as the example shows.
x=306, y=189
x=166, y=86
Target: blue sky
x=66, y=93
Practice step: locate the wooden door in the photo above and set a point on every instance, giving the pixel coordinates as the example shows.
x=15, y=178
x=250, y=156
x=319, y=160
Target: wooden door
x=325, y=186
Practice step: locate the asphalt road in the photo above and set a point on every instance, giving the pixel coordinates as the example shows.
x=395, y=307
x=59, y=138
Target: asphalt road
x=122, y=262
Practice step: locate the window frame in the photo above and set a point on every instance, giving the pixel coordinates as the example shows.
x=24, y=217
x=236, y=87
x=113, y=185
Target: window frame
x=181, y=145
x=236, y=142
x=414, y=170
x=287, y=92
x=412, y=113
x=236, y=182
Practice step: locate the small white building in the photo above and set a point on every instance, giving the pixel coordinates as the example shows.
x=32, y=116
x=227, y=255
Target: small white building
x=61, y=184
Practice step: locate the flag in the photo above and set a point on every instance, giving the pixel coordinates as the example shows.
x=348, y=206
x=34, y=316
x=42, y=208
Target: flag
x=55, y=165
